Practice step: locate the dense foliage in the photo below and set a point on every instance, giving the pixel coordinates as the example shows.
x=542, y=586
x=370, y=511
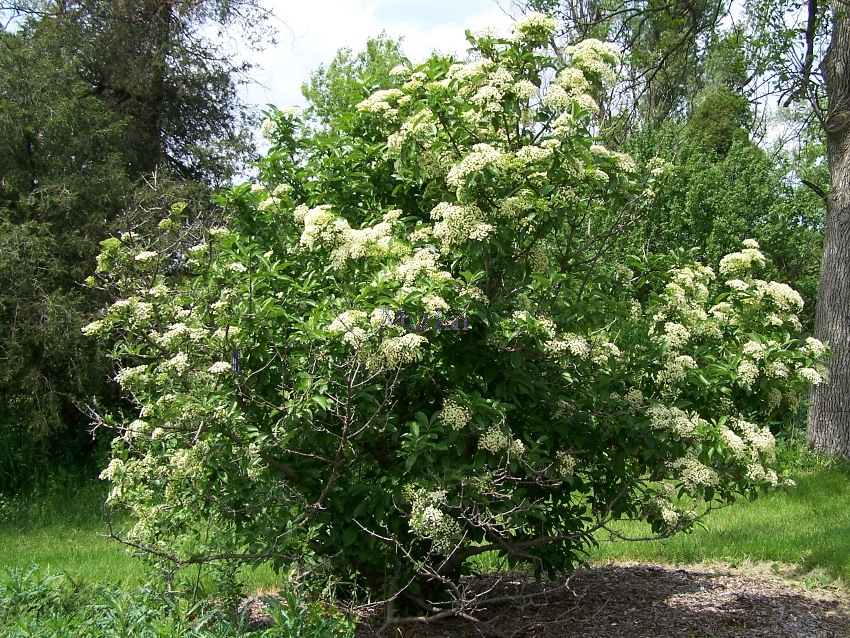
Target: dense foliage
x=534, y=389
x=105, y=107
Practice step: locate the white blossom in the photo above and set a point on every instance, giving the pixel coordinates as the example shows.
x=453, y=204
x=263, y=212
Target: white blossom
x=741, y=262
x=147, y=255
x=534, y=27
x=694, y=474
x=220, y=367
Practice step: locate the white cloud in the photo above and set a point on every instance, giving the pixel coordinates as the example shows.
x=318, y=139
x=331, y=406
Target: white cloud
x=310, y=32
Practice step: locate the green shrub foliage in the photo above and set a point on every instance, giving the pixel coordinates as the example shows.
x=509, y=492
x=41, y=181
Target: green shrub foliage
x=285, y=413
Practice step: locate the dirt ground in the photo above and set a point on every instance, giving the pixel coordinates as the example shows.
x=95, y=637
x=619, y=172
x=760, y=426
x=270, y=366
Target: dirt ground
x=650, y=601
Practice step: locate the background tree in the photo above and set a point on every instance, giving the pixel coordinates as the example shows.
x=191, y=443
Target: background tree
x=104, y=104
x=351, y=77
x=829, y=417
x=63, y=183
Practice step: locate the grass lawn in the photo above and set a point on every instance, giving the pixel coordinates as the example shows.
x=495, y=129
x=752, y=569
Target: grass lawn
x=807, y=526
x=63, y=531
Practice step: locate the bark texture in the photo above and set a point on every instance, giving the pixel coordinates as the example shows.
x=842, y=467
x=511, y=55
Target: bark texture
x=829, y=416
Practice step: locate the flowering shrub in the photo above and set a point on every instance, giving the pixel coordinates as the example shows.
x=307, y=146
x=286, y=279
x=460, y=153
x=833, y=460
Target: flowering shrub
x=280, y=417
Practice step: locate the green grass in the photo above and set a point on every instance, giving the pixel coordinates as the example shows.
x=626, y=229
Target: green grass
x=807, y=526
x=63, y=530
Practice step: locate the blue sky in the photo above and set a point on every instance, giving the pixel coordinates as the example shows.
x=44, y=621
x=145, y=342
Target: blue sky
x=311, y=31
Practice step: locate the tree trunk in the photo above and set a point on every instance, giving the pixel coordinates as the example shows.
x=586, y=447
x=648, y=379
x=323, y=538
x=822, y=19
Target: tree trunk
x=829, y=415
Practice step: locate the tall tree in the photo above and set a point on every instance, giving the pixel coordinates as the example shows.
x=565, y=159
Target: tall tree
x=62, y=180
x=829, y=416
x=98, y=100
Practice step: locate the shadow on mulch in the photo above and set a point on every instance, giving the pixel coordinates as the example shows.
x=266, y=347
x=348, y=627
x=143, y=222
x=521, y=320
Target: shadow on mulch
x=645, y=602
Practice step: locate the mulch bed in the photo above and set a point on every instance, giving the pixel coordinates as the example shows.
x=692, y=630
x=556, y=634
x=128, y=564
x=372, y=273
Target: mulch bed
x=647, y=601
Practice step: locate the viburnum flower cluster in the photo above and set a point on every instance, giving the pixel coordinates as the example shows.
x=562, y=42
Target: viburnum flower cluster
x=282, y=414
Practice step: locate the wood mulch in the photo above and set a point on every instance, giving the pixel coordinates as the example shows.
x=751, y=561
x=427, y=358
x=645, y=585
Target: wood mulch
x=649, y=601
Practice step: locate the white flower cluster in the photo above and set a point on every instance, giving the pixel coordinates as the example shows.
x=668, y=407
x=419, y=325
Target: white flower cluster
x=528, y=154
x=538, y=260
x=346, y=323
x=421, y=124
x=94, y=328
x=321, y=226
x=811, y=375
x=534, y=27
x=428, y=519
x=520, y=205
x=741, y=262
x=220, y=367
x=482, y=156
x=748, y=372
x=559, y=98
x=675, y=369
x=776, y=370
x=693, y=278
x=146, y=255
x=622, y=161
x=754, y=350
x=669, y=515
x=266, y=128
x=126, y=376
x=457, y=225
x=694, y=474
x=493, y=440
x=738, y=285
x=137, y=427
x=774, y=399
x=468, y=70
x=237, y=267
x=525, y=90
x=113, y=470
x=569, y=344
x=724, y=312
x=473, y=293
x=489, y=98
x=346, y=320
x=783, y=296
x=760, y=439
x=423, y=264
x=381, y=318
x=814, y=347
x=454, y=415
x=179, y=363
x=397, y=351
x=734, y=442
x=595, y=58
x=634, y=398
x=176, y=332
x=672, y=419
x=602, y=350
x=676, y=335
x=566, y=463
x=131, y=309
x=380, y=103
